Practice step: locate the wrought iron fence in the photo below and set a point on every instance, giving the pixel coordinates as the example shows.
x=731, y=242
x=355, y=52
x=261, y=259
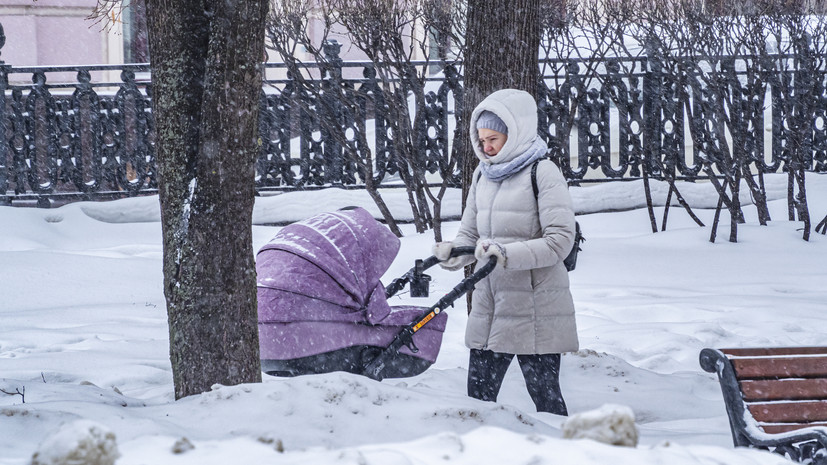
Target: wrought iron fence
x=75, y=132
x=75, y=138
x=299, y=152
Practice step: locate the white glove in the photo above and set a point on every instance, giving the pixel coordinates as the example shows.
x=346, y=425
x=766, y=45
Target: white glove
x=490, y=248
x=442, y=251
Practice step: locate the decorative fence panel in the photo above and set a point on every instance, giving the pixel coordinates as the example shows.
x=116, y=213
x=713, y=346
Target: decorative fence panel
x=75, y=139
x=73, y=132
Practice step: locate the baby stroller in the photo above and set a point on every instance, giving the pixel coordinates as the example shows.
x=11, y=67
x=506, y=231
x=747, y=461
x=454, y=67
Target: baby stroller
x=322, y=307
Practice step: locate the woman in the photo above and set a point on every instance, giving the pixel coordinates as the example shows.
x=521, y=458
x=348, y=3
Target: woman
x=524, y=307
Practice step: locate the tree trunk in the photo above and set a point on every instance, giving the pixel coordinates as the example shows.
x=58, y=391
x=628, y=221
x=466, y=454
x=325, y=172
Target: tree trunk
x=503, y=48
x=503, y=43
x=205, y=60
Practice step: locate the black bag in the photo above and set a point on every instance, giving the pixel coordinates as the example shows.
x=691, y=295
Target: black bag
x=571, y=259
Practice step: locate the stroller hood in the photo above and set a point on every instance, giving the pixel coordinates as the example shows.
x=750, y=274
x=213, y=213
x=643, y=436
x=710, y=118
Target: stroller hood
x=336, y=260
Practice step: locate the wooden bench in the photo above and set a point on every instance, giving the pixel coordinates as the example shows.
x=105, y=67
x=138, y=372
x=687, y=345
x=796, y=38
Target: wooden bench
x=776, y=398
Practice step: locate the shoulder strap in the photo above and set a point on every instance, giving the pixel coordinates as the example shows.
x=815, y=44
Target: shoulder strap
x=534, y=179
x=534, y=175
x=571, y=260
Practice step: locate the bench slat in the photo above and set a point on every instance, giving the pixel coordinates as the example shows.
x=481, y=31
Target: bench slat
x=775, y=351
x=789, y=412
x=784, y=389
x=780, y=367
x=776, y=429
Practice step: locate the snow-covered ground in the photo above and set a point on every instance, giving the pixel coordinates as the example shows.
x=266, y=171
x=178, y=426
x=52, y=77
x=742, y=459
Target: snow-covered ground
x=83, y=334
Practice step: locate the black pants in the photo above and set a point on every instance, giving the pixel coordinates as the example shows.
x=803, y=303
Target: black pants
x=486, y=370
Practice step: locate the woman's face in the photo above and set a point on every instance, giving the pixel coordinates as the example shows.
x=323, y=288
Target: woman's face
x=491, y=141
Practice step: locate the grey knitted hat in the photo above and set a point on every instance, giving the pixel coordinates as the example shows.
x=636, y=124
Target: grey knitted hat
x=489, y=120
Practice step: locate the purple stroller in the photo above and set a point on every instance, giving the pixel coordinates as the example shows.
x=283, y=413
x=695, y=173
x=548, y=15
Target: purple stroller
x=322, y=307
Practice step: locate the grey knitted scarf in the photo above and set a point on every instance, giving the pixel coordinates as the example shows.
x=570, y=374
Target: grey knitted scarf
x=498, y=171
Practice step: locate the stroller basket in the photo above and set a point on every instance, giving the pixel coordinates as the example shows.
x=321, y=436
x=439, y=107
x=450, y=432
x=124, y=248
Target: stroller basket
x=322, y=307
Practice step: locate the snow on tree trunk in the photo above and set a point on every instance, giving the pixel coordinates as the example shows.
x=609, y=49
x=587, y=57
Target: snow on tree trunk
x=205, y=60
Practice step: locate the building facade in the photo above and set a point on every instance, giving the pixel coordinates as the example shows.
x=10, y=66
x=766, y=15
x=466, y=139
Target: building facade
x=59, y=32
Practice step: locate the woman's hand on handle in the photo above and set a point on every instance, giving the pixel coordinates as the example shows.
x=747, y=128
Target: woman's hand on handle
x=442, y=251
x=491, y=248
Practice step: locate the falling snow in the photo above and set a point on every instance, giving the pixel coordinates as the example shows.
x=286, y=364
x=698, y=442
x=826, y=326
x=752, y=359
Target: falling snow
x=84, y=331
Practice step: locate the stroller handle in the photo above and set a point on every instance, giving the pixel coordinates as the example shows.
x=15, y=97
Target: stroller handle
x=455, y=252
x=399, y=283
x=374, y=369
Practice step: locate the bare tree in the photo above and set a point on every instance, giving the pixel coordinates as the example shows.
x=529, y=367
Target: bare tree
x=390, y=34
x=576, y=37
x=796, y=35
x=594, y=58
x=289, y=34
x=448, y=20
x=625, y=64
x=743, y=104
x=697, y=49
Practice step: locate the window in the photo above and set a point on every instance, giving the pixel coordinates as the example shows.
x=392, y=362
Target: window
x=135, y=39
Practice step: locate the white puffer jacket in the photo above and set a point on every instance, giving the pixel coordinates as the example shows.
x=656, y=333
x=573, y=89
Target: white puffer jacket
x=526, y=307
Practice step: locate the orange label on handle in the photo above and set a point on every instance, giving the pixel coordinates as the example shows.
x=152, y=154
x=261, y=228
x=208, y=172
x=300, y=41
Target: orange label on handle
x=424, y=320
